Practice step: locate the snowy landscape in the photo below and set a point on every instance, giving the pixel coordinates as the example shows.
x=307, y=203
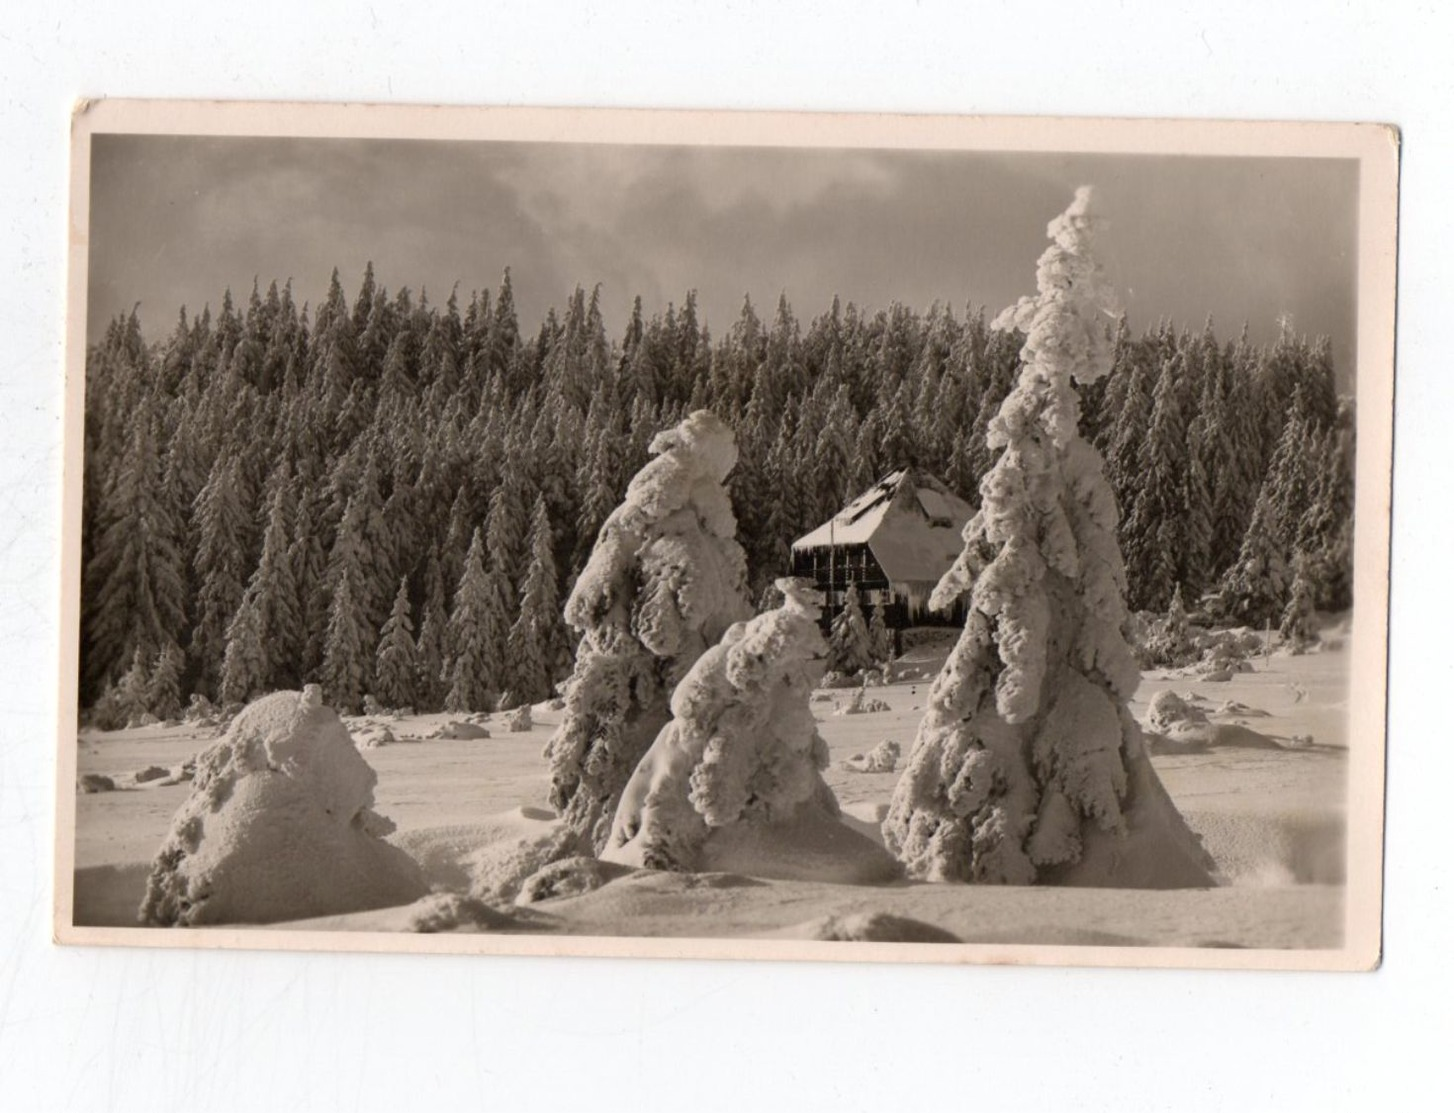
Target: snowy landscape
x=1004, y=626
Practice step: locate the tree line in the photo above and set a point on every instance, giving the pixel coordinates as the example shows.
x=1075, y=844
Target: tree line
x=394, y=497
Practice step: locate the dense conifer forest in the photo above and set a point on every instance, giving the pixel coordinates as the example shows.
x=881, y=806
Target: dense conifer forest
x=393, y=497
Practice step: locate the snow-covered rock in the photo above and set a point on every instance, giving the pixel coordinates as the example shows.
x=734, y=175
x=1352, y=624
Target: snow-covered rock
x=883, y=758
x=1167, y=709
x=441, y=912
x=733, y=782
x=279, y=826
x=376, y=738
x=455, y=730
x=861, y=703
x=870, y=927
x=569, y=877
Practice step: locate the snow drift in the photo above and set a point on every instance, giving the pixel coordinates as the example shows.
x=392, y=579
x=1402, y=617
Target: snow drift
x=279, y=826
x=733, y=783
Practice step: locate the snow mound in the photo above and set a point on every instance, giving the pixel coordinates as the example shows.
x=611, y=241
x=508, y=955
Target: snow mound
x=869, y=927
x=883, y=758
x=498, y=871
x=569, y=877
x=382, y=736
x=861, y=703
x=150, y=773
x=456, y=730
x=279, y=826
x=90, y=783
x=440, y=912
x=520, y=721
x=733, y=782
x=1168, y=708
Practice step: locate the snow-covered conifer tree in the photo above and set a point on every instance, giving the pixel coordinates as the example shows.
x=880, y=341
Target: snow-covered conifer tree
x=880, y=637
x=432, y=648
x=348, y=643
x=222, y=514
x=264, y=633
x=478, y=629
x=164, y=689
x=741, y=753
x=135, y=593
x=1299, y=627
x=665, y=580
x=1028, y=766
x=1254, y=589
x=132, y=692
x=537, y=639
x=395, y=662
x=850, y=648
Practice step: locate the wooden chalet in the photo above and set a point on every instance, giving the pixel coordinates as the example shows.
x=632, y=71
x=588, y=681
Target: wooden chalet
x=894, y=542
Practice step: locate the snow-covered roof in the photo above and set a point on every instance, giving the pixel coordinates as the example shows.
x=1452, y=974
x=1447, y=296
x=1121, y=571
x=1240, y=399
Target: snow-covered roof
x=909, y=520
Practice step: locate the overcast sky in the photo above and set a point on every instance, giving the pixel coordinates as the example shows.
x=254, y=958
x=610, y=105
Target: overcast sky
x=176, y=219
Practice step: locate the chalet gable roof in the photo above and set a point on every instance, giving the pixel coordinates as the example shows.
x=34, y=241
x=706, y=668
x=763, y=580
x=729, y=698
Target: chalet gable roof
x=910, y=521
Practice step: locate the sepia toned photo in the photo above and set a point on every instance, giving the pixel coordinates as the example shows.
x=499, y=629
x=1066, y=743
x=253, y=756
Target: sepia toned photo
x=727, y=535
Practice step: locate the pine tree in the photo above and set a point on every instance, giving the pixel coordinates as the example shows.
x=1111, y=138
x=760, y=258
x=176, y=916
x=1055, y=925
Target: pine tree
x=1028, y=765
x=134, y=583
x=664, y=581
x=1153, y=538
x=1254, y=589
x=396, y=660
x=850, y=648
x=477, y=635
x=537, y=639
x=880, y=637
x=132, y=691
x=263, y=637
x=1299, y=627
x=432, y=651
x=349, y=642
x=164, y=689
x=221, y=564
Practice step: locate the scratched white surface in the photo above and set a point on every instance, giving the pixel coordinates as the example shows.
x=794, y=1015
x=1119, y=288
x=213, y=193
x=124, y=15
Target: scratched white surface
x=92, y=1029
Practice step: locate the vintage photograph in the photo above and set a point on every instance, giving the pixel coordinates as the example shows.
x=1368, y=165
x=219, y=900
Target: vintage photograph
x=727, y=534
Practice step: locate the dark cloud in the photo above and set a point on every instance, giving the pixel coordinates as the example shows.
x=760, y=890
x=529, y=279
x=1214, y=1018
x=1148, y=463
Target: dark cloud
x=177, y=219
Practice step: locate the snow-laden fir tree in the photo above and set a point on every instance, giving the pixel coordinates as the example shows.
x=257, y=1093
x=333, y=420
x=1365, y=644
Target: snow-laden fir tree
x=164, y=688
x=132, y=694
x=537, y=639
x=432, y=647
x=880, y=637
x=263, y=634
x=850, y=648
x=1299, y=626
x=395, y=661
x=664, y=581
x=221, y=562
x=135, y=586
x=478, y=628
x=734, y=781
x=348, y=644
x=1028, y=766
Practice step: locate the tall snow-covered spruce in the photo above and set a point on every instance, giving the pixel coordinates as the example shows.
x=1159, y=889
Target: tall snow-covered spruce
x=1028, y=766
x=664, y=581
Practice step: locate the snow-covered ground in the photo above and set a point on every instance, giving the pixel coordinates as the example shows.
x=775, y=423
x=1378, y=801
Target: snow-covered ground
x=1268, y=803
